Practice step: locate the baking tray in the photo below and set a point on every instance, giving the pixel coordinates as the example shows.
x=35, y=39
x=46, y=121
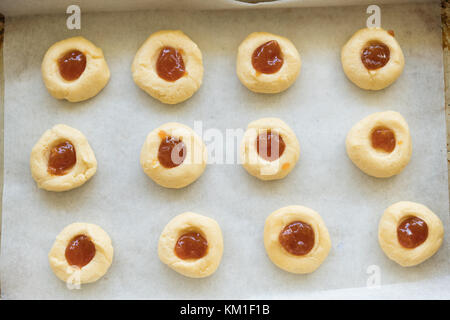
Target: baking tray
x=92, y=290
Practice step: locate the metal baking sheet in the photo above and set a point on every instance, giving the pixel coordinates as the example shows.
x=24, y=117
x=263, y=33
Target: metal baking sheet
x=320, y=107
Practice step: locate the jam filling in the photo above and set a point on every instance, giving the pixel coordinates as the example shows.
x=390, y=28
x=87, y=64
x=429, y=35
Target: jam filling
x=267, y=58
x=72, y=65
x=62, y=158
x=412, y=232
x=375, y=55
x=270, y=145
x=297, y=238
x=170, y=64
x=383, y=139
x=80, y=251
x=172, y=152
x=191, y=245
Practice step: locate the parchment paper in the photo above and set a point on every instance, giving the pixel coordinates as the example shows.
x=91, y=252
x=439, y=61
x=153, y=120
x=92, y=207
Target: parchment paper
x=320, y=107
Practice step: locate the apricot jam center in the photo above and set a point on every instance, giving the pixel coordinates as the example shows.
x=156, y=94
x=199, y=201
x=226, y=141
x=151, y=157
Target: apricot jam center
x=172, y=152
x=270, y=145
x=267, y=58
x=383, y=139
x=62, y=158
x=170, y=64
x=191, y=245
x=412, y=232
x=297, y=238
x=80, y=251
x=375, y=55
x=72, y=65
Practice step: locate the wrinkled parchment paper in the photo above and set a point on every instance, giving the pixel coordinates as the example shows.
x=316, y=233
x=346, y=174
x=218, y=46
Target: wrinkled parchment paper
x=320, y=107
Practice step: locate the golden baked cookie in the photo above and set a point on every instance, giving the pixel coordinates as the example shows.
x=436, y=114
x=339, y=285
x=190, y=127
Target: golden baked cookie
x=372, y=58
x=168, y=66
x=74, y=69
x=173, y=155
x=380, y=144
x=191, y=244
x=82, y=253
x=296, y=239
x=267, y=63
x=410, y=233
x=269, y=149
x=62, y=159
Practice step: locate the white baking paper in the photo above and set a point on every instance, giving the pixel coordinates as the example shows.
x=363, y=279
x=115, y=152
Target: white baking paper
x=320, y=107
